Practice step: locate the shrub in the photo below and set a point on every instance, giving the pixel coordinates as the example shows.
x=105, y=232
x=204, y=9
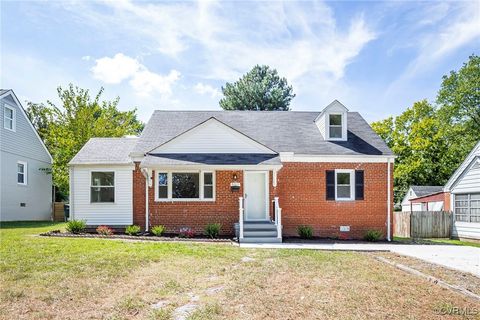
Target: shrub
x=373, y=235
x=213, y=230
x=76, y=226
x=186, y=232
x=305, y=232
x=132, y=230
x=104, y=230
x=158, y=230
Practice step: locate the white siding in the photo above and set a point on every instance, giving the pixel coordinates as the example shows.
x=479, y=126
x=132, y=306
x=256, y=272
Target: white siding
x=32, y=201
x=470, y=230
x=469, y=181
x=115, y=214
x=212, y=137
x=36, y=195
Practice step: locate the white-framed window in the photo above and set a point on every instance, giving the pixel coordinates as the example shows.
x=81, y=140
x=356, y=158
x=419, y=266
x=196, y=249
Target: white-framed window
x=22, y=173
x=335, y=126
x=344, y=184
x=9, y=118
x=467, y=207
x=185, y=186
x=102, y=187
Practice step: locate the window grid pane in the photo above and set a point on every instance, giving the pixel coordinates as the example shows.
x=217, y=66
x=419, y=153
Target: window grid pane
x=185, y=185
x=207, y=185
x=335, y=120
x=103, y=179
x=163, y=185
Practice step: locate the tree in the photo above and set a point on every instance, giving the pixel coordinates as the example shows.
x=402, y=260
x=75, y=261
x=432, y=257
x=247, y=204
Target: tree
x=459, y=109
x=260, y=89
x=67, y=128
x=459, y=96
x=416, y=137
x=431, y=142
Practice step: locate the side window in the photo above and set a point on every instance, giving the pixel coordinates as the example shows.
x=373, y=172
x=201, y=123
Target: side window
x=102, y=189
x=208, y=185
x=9, y=118
x=162, y=185
x=22, y=172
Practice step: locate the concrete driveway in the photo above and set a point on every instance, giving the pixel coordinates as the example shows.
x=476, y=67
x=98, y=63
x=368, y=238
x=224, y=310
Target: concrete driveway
x=463, y=258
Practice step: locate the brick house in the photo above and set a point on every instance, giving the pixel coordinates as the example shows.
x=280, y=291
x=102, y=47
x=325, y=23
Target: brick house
x=260, y=174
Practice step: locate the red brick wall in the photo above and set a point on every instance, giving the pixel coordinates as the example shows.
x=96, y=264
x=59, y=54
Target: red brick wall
x=138, y=197
x=301, y=191
x=197, y=214
x=302, y=196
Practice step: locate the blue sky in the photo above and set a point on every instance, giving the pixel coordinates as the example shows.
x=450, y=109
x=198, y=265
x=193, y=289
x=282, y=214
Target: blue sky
x=375, y=57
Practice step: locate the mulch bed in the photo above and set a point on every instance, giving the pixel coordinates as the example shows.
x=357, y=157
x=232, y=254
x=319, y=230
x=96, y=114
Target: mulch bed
x=140, y=237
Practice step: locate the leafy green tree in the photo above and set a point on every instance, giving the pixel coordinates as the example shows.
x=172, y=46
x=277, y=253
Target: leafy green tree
x=260, y=89
x=431, y=142
x=459, y=96
x=416, y=137
x=67, y=128
x=459, y=110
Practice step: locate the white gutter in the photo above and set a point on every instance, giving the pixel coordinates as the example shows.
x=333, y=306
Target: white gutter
x=388, y=200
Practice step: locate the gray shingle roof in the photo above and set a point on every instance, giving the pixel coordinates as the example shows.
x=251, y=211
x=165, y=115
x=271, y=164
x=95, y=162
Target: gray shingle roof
x=282, y=131
x=422, y=191
x=2, y=91
x=105, y=150
x=210, y=159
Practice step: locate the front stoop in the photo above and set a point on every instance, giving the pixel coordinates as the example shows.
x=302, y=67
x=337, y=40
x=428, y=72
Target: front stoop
x=260, y=232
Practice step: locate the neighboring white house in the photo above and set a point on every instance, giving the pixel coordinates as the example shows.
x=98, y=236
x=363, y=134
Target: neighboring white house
x=25, y=165
x=464, y=186
x=421, y=191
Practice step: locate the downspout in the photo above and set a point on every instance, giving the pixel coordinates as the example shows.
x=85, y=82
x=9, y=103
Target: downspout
x=388, y=200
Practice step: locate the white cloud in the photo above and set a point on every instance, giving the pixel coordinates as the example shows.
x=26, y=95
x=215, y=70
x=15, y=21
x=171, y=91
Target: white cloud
x=205, y=89
x=86, y=58
x=144, y=82
x=222, y=40
x=116, y=69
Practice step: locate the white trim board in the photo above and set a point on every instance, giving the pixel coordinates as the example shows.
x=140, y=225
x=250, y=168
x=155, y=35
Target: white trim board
x=291, y=157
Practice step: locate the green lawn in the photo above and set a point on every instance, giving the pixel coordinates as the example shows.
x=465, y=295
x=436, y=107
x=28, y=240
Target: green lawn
x=438, y=241
x=73, y=278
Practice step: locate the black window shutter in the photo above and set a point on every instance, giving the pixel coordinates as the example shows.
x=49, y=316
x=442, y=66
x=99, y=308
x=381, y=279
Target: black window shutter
x=330, y=185
x=359, y=184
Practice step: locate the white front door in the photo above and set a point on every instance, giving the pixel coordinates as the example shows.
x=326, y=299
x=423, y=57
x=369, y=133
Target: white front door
x=256, y=195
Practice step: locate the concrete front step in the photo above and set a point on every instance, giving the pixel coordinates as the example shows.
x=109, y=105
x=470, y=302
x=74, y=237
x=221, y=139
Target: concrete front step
x=261, y=240
x=259, y=226
x=260, y=233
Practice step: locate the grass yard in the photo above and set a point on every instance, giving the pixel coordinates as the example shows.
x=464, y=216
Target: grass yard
x=71, y=278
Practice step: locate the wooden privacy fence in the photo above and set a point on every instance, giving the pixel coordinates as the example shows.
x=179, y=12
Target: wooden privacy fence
x=422, y=224
x=58, y=214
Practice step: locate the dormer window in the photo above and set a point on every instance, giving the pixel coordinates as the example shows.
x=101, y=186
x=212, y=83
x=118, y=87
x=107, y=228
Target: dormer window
x=332, y=122
x=335, y=126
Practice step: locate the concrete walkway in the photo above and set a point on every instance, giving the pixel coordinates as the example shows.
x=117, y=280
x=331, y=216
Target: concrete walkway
x=463, y=258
